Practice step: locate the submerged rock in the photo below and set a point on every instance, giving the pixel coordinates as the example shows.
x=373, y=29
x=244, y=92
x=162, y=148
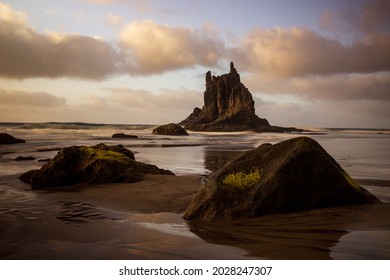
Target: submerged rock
x=90, y=165
x=122, y=135
x=228, y=106
x=170, y=129
x=293, y=175
x=22, y=158
x=6, y=138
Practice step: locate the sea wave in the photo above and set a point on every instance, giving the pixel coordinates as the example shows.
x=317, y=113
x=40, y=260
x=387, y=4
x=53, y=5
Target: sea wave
x=75, y=125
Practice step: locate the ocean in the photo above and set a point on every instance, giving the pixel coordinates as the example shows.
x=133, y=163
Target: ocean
x=67, y=224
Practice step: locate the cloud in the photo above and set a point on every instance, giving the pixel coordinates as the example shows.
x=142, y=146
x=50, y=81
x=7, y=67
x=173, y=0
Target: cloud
x=10, y=16
x=357, y=40
x=11, y=98
x=349, y=64
x=26, y=53
x=144, y=48
x=336, y=87
x=373, y=16
x=154, y=48
x=301, y=52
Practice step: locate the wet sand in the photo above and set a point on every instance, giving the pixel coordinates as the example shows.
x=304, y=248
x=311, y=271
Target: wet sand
x=143, y=221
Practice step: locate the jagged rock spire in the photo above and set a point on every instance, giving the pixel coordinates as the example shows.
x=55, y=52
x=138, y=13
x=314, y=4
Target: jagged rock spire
x=228, y=106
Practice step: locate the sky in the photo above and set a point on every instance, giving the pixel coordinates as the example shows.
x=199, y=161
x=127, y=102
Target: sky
x=307, y=63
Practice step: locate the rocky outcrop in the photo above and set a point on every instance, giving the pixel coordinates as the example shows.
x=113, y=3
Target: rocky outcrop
x=124, y=136
x=6, y=138
x=228, y=106
x=293, y=175
x=170, y=129
x=90, y=165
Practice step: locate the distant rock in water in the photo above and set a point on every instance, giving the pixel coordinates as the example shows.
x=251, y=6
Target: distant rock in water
x=90, y=165
x=170, y=129
x=122, y=135
x=228, y=106
x=293, y=175
x=6, y=138
x=21, y=158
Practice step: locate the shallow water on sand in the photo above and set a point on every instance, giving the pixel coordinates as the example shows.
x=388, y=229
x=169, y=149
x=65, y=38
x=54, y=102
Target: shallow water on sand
x=69, y=225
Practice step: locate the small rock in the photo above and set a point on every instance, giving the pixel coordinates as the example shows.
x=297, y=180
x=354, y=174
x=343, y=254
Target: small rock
x=170, y=129
x=20, y=158
x=6, y=138
x=122, y=135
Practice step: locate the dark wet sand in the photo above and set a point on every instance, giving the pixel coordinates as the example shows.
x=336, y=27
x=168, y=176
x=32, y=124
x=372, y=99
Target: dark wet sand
x=142, y=221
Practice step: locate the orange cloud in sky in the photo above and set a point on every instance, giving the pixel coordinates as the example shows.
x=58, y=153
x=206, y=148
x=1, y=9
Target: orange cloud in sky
x=300, y=52
x=26, y=53
x=155, y=48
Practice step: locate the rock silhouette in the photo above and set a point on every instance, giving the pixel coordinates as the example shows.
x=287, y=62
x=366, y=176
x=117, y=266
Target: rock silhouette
x=228, y=106
x=6, y=138
x=170, y=129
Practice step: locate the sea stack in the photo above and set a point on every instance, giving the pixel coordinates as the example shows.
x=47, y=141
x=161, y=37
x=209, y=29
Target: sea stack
x=228, y=106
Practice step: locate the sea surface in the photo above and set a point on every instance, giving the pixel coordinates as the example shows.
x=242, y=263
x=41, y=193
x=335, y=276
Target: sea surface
x=346, y=233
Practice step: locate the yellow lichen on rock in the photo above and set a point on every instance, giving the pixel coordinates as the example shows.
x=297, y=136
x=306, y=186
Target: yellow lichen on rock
x=106, y=155
x=241, y=180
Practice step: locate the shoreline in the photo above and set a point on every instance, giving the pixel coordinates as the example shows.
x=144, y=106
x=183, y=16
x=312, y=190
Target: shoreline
x=143, y=221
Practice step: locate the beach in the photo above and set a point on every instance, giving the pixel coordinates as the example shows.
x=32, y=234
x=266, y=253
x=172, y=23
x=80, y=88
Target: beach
x=143, y=220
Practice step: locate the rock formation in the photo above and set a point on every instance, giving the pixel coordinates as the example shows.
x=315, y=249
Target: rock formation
x=6, y=138
x=90, y=165
x=293, y=175
x=228, y=106
x=22, y=158
x=170, y=129
x=125, y=136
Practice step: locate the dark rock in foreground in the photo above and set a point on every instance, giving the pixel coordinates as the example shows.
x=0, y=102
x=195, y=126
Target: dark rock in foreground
x=90, y=165
x=6, y=138
x=228, y=106
x=122, y=135
x=293, y=175
x=170, y=129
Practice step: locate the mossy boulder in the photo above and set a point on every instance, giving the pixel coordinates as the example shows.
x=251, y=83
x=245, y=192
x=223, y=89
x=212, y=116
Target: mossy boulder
x=170, y=129
x=90, y=165
x=6, y=138
x=293, y=175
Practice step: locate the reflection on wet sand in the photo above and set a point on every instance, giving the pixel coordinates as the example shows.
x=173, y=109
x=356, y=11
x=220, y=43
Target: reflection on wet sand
x=215, y=157
x=304, y=235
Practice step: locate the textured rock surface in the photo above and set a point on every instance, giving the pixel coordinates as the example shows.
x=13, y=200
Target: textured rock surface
x=6, y=138
x=170, y=129
x=90, y=165
x=228, y=106
x=293, y=175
